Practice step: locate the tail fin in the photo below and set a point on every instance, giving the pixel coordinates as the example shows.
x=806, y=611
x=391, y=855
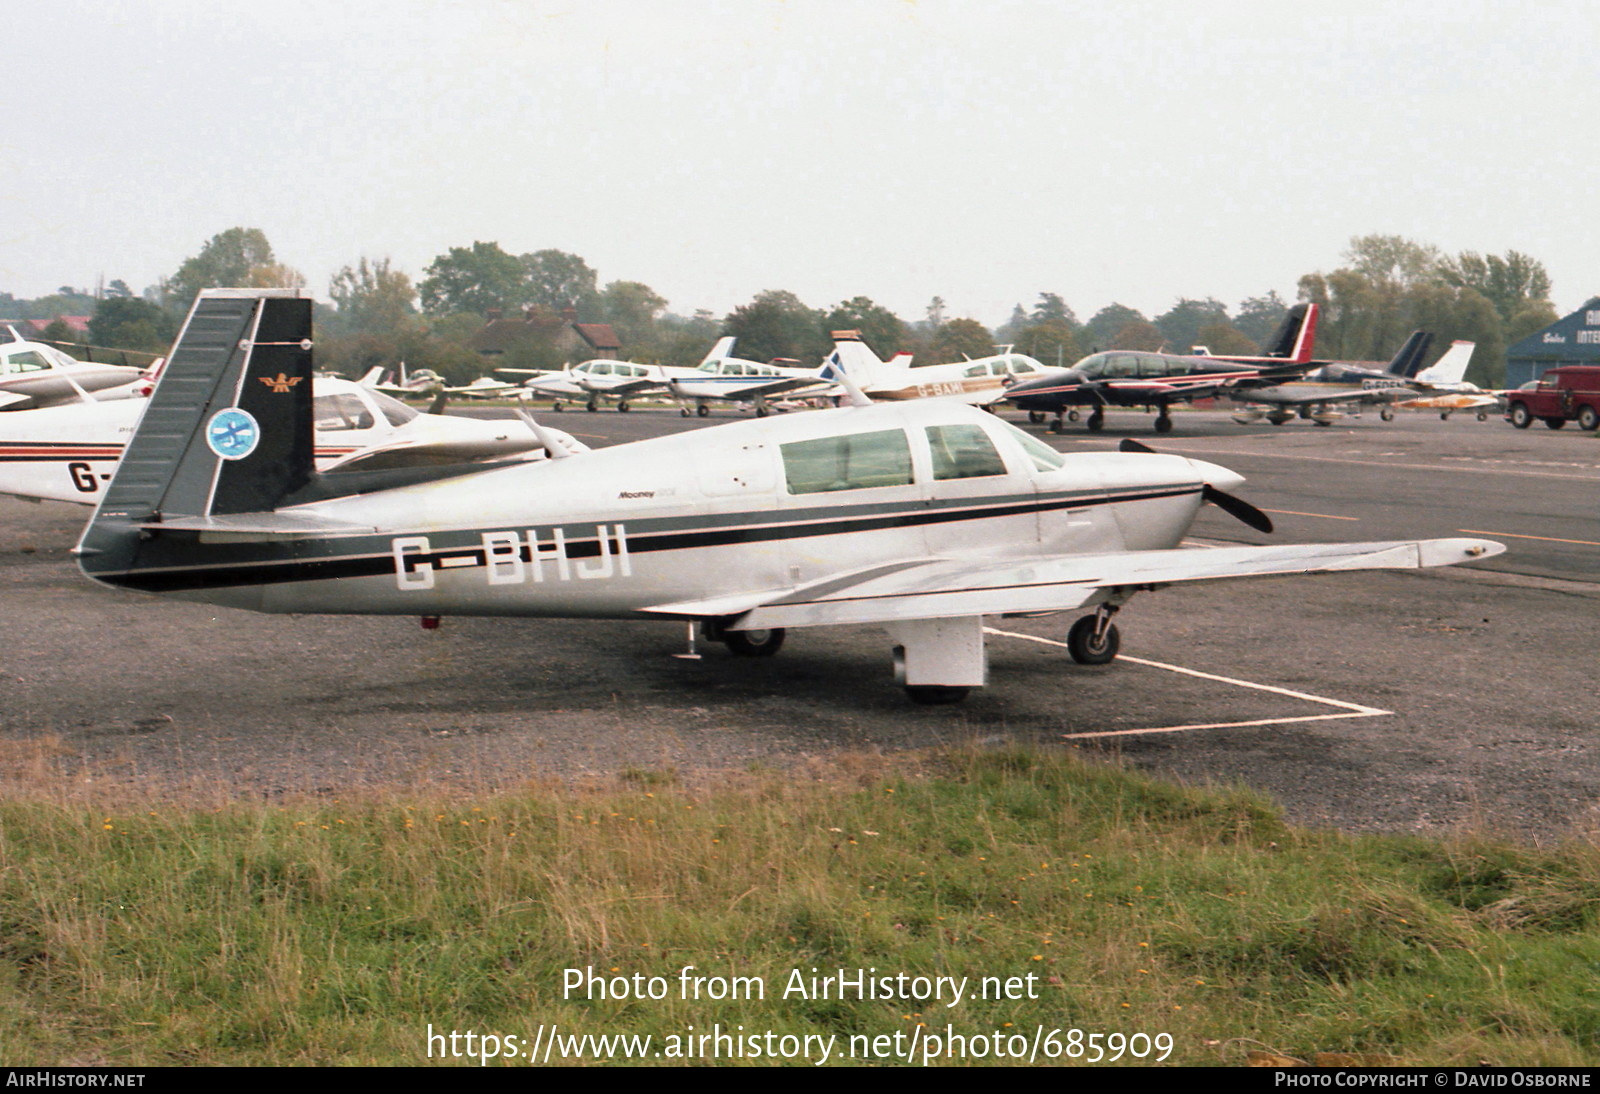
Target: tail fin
x=722, y=349
x=1296, y=336
x=855, y=358
x=1408, y=360
x=228, y=428
x=1451, y=368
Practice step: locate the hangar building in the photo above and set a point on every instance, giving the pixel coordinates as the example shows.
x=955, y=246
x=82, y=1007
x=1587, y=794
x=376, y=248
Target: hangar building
x=1574, y=340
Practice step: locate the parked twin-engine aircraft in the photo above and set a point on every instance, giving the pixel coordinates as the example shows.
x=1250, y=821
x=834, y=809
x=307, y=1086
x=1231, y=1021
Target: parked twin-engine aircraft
x=722, y=376
x=1131, y=378
x=923, y=516
x=35, y=374
x=69, y=452
x=980, y=382
x=1320, y=393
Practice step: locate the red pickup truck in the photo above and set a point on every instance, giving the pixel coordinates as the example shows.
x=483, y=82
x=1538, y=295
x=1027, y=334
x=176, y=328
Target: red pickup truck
x=1564, y=394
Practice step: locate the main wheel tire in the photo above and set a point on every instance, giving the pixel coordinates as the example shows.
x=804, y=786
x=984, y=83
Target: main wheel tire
x=1521, y=416
x=1096, y=423
x=622, y=408
x=1035, y=417
x=761, y=411
x=1588, y=419
x=701, y=411
x=557, y=407
x=1083, y=648
x=1072, y=415
x=1163, y=424
x=591, y=406
x=683, y=412
x=935, y=695
x=1386, y=414
x=754, y=643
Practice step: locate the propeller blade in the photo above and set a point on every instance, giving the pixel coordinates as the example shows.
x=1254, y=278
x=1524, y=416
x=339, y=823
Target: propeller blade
x=1237, y=508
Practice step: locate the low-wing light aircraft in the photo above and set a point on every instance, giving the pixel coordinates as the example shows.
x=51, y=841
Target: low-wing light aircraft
x=923, y=516
x=69, y=452
x=35, y=374
x=1318, y=395
x=1134, y=378
x=979, y=381
x=721, y=376
x=422, y=381
x=591, y=381
x=1443, y=386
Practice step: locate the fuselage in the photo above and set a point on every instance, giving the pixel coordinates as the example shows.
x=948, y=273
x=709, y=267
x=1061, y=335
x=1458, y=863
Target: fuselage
x=69, y=452
x=746, y=509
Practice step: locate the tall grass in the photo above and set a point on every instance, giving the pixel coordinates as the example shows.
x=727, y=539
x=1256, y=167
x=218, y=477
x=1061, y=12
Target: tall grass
x=337, y=931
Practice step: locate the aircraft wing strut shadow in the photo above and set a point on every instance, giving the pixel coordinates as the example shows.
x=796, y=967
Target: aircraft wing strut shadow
x=921, y=516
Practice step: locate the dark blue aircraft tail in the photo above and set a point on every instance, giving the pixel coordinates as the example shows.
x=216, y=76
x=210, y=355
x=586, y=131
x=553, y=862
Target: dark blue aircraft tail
x=1408, y=362
x=228, y=429
x=1296, y=335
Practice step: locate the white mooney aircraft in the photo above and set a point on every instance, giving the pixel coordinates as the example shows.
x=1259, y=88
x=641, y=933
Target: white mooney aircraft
x=979, y=382
x=922, y=516
x=68, y=453
x=34, y=374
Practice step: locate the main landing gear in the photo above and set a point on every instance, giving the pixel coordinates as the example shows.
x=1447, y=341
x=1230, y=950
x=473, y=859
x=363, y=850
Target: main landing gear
x=1094, y=639
x=744, y=643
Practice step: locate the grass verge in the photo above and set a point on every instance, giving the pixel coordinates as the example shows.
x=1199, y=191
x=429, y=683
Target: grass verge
x=338, y=932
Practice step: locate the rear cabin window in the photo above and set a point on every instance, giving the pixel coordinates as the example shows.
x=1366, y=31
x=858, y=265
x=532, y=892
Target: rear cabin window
x=855, y=461
x=963, y=452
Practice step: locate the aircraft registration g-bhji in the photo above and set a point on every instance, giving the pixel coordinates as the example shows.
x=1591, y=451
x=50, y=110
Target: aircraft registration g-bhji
x=922, y=516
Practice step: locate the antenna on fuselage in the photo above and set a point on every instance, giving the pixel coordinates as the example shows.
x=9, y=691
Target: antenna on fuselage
x=552, y=447
x=833, y=369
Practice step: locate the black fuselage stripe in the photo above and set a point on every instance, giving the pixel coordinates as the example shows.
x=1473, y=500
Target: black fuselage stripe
x=274, y=571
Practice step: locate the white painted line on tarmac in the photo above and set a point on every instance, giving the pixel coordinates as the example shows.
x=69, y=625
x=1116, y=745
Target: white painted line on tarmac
x=1349, y=710
x=1515, y=535
x=1297, y=513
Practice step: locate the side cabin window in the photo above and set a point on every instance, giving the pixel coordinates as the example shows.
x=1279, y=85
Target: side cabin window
x=1120, y=365
x=24, y=361
x=334, y=412
x=963, y=452
x=976, y=370
x=854, y=461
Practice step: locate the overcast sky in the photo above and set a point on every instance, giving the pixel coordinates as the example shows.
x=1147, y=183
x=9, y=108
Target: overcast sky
x=982, y=151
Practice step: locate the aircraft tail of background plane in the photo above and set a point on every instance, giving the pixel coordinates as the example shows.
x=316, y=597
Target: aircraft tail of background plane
x=1451, y=368
x=855, y=358
x=1296, y=336
x=723, y=348
x=1408, y=360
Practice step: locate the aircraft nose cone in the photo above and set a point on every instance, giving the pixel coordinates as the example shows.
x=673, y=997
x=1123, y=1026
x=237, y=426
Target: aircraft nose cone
x=1217, y=475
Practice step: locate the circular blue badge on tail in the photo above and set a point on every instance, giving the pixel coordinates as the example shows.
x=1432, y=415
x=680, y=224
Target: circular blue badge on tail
x=233, y=433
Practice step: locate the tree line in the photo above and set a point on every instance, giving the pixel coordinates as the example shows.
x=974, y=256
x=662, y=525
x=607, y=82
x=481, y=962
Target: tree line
x=377, y=316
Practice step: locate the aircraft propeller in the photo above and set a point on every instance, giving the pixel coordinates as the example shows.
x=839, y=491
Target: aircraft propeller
x=1237, y=508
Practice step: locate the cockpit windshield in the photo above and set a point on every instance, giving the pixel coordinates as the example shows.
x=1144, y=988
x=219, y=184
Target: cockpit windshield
x=393, y=409
x=1043, y=456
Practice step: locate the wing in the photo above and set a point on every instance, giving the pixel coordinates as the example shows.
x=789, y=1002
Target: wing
x=945, y=588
